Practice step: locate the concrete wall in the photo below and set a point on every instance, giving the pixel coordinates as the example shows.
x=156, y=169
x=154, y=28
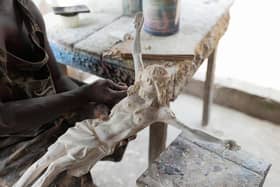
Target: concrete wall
x=255, y=101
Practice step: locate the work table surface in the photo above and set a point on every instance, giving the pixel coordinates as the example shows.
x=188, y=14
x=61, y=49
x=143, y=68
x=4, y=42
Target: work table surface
x=102, y=43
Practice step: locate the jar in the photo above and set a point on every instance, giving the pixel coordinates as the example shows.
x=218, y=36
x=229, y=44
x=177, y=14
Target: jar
x=131, y=7
x=162, y=17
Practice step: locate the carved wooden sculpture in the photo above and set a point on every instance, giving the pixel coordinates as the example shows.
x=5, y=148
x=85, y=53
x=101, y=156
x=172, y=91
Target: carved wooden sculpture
x=78, y=150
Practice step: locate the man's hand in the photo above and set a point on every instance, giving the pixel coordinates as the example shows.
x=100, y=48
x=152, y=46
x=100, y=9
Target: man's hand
x=104, y=91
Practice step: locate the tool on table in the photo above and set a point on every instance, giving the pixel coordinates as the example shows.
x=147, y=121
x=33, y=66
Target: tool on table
x=70, y=14
x=71, y=10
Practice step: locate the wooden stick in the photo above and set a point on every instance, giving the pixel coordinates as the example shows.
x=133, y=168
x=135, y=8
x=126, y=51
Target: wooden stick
x=157, y=143
x=208, y=88
x=173, y=57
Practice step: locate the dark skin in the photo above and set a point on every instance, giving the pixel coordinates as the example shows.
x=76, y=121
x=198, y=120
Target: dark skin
x=17, y=116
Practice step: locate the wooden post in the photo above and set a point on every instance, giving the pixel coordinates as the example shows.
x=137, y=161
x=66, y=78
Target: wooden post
x=63, y=68
x=157, y=144
x=208, y=88
x=86, y=181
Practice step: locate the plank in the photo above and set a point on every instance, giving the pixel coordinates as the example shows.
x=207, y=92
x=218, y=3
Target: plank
x=197, y=19
x=205, y=23
x=125, y=51
x=89, y=24
x=93, y=64
x=202, y=25
x=106, y=37
x=198, y=163
x=202, y=50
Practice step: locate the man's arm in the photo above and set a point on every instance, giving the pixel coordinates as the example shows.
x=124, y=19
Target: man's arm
x=16, y=116
x=64, y=83
x=61, y=81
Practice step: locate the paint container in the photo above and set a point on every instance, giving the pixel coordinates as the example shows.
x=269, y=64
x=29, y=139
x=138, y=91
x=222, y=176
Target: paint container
x=70, y=14
x=162, y=17
x=67, y=21
x=70, y=21
x=131, y=7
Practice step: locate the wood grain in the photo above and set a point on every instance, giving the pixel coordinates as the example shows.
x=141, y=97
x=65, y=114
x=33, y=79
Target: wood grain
x=198, y=163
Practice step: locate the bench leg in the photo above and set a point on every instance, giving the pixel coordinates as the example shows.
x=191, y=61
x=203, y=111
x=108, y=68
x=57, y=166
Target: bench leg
x=63, y=68
x=208, y=88
x=158, y=135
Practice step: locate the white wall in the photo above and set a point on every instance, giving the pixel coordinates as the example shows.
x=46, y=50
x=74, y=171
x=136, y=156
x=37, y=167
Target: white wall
x=250, y=49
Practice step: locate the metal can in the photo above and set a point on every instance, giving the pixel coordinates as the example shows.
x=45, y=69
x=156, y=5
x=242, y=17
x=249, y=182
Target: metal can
x=131, y=7
x=162, y=17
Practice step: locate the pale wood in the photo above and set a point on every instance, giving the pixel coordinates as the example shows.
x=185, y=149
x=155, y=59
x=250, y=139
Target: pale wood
x=157, y=142
x=202, y=25
x=196, y=162
x=124, y=50
x=89, y=24
x=63, y=68
x=208, y=88
x=198, y=18
x=107, y=37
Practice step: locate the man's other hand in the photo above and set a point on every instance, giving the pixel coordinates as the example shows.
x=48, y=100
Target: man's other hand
x=105, y=92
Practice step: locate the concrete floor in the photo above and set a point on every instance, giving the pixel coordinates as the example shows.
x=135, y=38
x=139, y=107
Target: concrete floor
x=255, y=136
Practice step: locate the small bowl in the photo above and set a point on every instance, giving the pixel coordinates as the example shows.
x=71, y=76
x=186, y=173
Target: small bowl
x=70, y=21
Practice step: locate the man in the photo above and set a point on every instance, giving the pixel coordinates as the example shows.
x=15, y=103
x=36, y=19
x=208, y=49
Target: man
x=37, y=102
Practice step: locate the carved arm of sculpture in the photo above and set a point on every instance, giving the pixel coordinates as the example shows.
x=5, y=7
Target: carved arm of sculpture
x=137, y=57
